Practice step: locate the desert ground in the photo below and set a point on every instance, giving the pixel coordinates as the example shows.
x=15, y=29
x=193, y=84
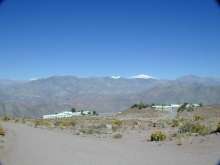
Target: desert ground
x=26, y=144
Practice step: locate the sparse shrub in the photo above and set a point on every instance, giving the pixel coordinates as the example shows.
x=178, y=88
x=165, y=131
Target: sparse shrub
x=158, y=136
x=175, y=123
x=2, y=131
x=117, y=136
x=89, y=131
x=218, y=128
x=179, y=139
x=6, y=118
x=16, y=120
x=98, y=126
x=186, y=128
x=65, y=123
x=117, y=122
x=23, y=121
x=200, y=129
x=198, y=118
x=44, y=123
x=190, y=127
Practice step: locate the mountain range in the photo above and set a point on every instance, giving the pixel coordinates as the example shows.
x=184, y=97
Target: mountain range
x=103, y=94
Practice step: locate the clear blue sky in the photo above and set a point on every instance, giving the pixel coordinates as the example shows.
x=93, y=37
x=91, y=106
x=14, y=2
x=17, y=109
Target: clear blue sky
x=165, y=39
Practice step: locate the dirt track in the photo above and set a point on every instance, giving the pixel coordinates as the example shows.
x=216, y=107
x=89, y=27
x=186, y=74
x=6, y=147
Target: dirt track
x=34, y=146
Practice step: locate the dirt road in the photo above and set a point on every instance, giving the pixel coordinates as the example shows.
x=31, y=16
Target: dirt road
x=34, y=146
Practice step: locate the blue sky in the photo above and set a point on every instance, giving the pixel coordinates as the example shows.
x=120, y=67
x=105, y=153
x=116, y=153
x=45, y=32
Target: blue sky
x=165, y=39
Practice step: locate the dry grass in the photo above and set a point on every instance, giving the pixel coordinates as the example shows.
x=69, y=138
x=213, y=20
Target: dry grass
x=65, y=124
x=43, y=123
x=198, y=118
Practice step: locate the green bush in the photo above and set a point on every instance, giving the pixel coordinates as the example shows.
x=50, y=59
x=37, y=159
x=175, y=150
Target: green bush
x=116, y=122
x=158, y=136
x=200, y=129
x=185, y=107
x=190, y=127
x=140, y=105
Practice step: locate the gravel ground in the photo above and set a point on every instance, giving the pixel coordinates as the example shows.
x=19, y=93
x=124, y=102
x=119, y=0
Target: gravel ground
x=25, y=145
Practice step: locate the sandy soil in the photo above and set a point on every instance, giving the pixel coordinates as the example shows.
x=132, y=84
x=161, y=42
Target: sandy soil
x=35, y=146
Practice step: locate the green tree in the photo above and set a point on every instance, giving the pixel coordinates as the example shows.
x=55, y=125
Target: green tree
x=73, y=109
x=94, y=113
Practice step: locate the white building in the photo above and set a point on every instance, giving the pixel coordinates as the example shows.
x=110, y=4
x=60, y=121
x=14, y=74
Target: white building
x=170, y=108
x=173, y=107
x=66, y=114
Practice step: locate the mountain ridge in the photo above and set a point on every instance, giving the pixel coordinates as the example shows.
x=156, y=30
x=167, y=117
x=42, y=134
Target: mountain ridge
x=103, y=94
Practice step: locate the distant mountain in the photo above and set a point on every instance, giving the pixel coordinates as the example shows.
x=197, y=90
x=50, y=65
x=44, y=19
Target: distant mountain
x=191, y=79
x=103, y=94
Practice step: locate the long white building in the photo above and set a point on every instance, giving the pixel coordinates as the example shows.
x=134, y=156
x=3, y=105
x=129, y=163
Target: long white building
x=66, y=114
x=171, y=107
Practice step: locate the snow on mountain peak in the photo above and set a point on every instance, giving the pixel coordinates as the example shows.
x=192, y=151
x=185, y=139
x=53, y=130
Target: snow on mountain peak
x=115, y=77
x=142, y=76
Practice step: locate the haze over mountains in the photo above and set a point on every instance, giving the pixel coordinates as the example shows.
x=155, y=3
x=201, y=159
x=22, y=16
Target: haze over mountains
x=103, y=94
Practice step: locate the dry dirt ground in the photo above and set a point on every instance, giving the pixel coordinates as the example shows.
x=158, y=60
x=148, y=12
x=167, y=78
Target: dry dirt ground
x=25, y=145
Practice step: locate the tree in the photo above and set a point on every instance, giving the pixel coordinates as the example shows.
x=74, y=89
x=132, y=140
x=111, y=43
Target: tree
x=153, y=104
x=200, y=104
x=82, y=112
x=73, y=109
x=182, y=107
x=94, y=113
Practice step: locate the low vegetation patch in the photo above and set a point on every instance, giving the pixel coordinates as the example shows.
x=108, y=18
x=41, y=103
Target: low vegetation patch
x=42, y=123
x=177, y=122
x=198, y=118
x=6, y=118
x=2, y=131
x=117, y=136
x=217, y=128
x=89, y=131
x=116, y=124
x=158, y=136
x=65, y=123
x=190, y=127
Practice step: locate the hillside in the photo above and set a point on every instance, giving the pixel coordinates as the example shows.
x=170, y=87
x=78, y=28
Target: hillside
x=103, y=94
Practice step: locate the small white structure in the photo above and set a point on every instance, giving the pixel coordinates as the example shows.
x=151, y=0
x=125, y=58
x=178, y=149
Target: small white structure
x=173, y=107
x=169, y=108
x=67, y=114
